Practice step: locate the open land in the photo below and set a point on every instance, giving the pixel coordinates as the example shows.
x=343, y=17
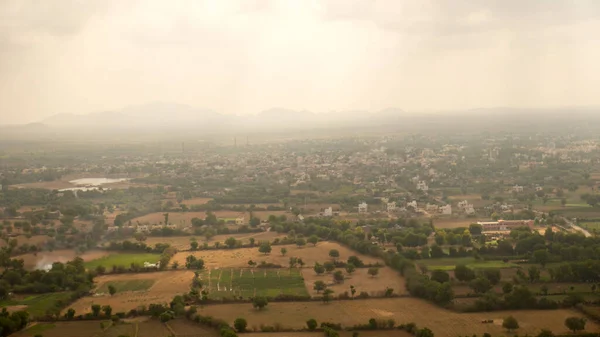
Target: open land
x=166, y=285
x=240, y=257
x=442, y=322
x=33, y=260
x=360, y=279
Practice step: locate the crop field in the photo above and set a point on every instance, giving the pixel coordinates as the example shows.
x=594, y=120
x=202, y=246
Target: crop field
x=444, y=323
x=37, y=260
x=238, y=258
x=124, y=260
x=166, y=285
x=183, y=327
x=36, y=305
x=360, y=279
x=126, y=285
x=63, y=329
x=183, y=242
x=196, y=201
x=450, y=263
x=247, y=283
x=152, y=328
x=453, y=222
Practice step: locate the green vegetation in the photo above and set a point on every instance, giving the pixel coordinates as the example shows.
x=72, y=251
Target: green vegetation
x=247, y=283
x=450, y=263
x=123, y=260
x=38, y=305
x=39, y=328
x=130, y=285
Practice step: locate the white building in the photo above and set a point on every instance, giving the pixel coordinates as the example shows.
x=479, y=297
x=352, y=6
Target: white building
x=362, y=208
x=446, y=210
x=391, y=207
x=412, y=204
x=470, y=209
x=517, y=188
x=142, y=228
x=432, y=208
x=422, y=185
x=328, y=211
x=240, y=221
x=462, y=204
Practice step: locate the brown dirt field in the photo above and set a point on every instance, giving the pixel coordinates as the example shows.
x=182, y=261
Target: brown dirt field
x=442, y=322
x=465, y=197
x=63, y=255
x=153, y=328
x=452, y=223
x=183, y=242
x=34, y=240
x=360, y=279
x=196, y=201
x=239, y=257
x=167, y=284
x=384, y=333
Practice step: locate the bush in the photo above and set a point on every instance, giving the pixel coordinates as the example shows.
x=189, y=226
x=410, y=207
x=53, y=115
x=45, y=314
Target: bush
x=240, y=324
x=311, y=324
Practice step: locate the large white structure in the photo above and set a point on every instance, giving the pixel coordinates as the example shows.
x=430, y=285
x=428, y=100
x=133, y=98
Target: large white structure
x=362, y=207
x=422, y=185
x=517, y=188
x=446, y=210
x=412, y=204
x=391, y=207
x=328, y=211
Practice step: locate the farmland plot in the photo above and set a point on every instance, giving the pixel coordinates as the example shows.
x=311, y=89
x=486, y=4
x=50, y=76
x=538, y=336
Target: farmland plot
x=248, y=283
x=63, y=329
x=360, y=279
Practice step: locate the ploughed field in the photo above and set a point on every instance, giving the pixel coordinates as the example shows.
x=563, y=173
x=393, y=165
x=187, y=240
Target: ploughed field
x=238, y=258
x=442, y=322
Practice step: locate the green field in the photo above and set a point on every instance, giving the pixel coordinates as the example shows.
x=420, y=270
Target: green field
x=122, y=286
x=247, y=283
x=37, y=305
x=39, y=328
x=450, y=263
x=124, y=260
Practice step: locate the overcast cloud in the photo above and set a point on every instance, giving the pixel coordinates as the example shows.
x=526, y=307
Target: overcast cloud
x=240, y=57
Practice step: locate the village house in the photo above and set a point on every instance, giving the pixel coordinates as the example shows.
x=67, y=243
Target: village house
x=422, y=186
x=446, y=210
x=412, y=204
x=432, y=208
x=391, y=207
x=517, y=189
x=328, y=211
x=363, y=208
x=240, y=221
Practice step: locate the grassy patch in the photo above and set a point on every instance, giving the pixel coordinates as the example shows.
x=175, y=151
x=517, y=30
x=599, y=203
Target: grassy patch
x=243, y=282
x=124, y=260
x=130, y=285
x=450, y=263
x=39, y=328
x=38, y=305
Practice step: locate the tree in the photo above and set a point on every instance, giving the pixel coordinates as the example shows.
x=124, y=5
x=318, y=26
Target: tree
x=327, y=295
x=575, y=323
x=350, y=268
x=507, y=287
x=480, y=285
x=111, y=289
x=70, y=313
x=259, y=302
x=355, y=261
x=475, y=229
x=329, y=266
x=440, y=276
x=334, y=253
x=107, y=309
x=311, y=324
x=313, y=239
x=425, y=332
x=175, y=265
x=265, y=248
x=96, y=310
x=254, y=221
x=283, y=251
x=300, y=242
x=240, y=324
x=319, y=269
x=352, y=290
x=319, y=286
x=463, y=273
x=231, y=242
x=373, y=271
x=534, y=274
x=510, y=323
x=338, y=277
x=541, y=256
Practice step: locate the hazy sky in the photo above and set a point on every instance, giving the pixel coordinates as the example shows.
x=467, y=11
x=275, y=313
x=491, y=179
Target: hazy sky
x=245, y=56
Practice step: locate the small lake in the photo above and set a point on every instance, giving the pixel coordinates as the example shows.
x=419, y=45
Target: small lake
x=96, y=181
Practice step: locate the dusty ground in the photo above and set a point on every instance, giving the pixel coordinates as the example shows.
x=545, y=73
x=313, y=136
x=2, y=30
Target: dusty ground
x=167, y=284
x=196, y=201
x=183, y=242
x=240, y=257
x=403, y=310
x=359, y=279
x=34, y=240
x=453, y=223
x=63, y=255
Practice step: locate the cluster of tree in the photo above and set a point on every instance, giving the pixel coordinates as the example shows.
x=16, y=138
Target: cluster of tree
x=192, y=262
x=12, y=322
x=128, y=246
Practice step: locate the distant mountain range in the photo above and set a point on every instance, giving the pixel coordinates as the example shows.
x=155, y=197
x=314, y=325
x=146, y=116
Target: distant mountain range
x=177, y=120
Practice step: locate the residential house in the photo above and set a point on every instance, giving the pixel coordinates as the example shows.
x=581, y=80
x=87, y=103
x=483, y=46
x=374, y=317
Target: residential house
x=391, y=207
x=240, y=221
x=517, y=188
x=446, y=210
x=328, y=211
x=422, y=185
x=412, y=204
x=362, y=208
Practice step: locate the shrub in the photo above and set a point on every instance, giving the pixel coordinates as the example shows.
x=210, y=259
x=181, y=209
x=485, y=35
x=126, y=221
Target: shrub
x=311, y=324
x=240, y=324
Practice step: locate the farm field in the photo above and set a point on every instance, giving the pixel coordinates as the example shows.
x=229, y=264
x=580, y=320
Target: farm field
x=453, y=222
x=152, y=328
x=124, y=260
x=240, y=257
x=36, y=305
x=63, y=329
x=37, y=240
x=382, y=333
x=34, y=261
x=360, y=279
x=450, y=263
x=196, y=201
x=166, y=285
x=245, y=282
x=183, y=327
x=183, y=242
x=125, y=285
x=444, y=323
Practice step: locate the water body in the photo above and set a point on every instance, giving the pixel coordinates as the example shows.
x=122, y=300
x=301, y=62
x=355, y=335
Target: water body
x=90, y=184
